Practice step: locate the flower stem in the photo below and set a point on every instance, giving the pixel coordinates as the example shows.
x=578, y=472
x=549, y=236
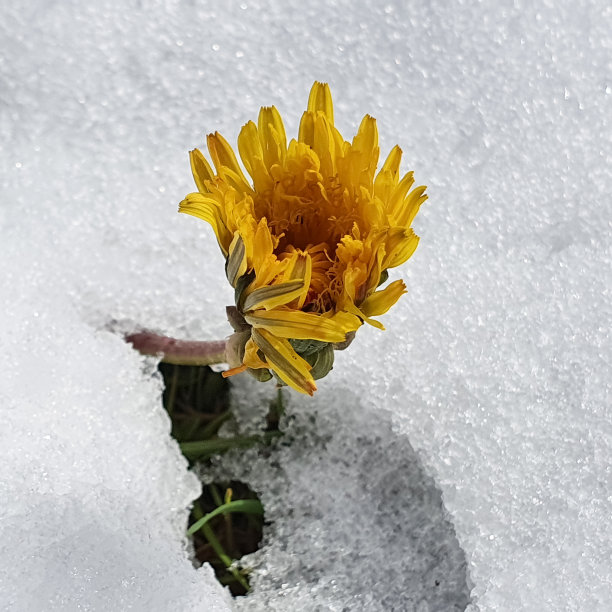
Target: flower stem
x=180, y=352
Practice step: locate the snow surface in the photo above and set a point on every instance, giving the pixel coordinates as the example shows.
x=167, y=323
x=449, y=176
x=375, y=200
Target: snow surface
x=355, y=523
x=495, y=368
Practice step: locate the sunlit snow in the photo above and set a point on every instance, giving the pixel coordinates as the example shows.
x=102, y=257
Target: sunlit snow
x=463, y=453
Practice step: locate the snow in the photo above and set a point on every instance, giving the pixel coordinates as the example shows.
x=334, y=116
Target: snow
x=356, y=523
x=487, y=400
x=94, y=492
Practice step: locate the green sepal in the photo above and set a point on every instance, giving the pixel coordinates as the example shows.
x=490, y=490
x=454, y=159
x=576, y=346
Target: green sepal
x=384, y=276
x=261, y=374
x=279, y=381
x=307, y=347
x=236, y=262
x=243, y=282
x=322, y=361
x=236, y=320
x=340, y=346
x=234, y=347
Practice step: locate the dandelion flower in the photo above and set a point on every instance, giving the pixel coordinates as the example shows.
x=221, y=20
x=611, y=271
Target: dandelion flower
x=308, y=238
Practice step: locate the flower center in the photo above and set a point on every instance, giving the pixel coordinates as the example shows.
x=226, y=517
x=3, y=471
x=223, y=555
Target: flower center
x=308, y=214
x=312, y=217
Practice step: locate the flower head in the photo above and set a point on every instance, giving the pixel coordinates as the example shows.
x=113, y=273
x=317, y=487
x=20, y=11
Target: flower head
x=307, y=239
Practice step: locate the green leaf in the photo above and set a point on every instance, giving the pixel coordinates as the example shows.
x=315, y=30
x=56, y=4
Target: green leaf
x=247, y=506
x=202, y=449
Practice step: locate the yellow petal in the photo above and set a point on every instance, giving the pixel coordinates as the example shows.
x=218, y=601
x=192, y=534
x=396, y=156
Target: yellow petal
x=263, y=246
x=224, y=159
x=398, y=195
x=251, y=358
x=324, y=145
x=353, y=310
x=365, y=144
x=380, y=301
x=298, y=325
x=374, y=272
x=201, y=170
x=300, y=267
x=288, y=365
x=320, y=100
x=264, y=262
x=252, y=155
x=392, y=163
x=366, y=139
x=347, y=321
x=408, y=209
x=272, y=136
x=208, y=209
x=388, y=177
x=306, y=130
x=273, y=295
x=249, y=146
x=400, y=244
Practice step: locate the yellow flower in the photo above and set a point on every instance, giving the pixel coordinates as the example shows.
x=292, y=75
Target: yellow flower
x=307, y=239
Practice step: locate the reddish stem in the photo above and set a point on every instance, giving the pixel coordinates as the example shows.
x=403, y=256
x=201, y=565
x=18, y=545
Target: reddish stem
x=181, y=352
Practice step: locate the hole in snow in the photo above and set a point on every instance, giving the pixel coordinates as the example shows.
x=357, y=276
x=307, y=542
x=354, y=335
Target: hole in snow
x=236, y=533
x=197, y=401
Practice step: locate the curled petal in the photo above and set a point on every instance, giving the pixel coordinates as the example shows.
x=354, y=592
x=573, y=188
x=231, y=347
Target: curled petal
x=251, y=356
x=380, y=301
x=299, y=325
x=286, y=363
x=209, y=210
x=272, y=296
x=400, y=245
